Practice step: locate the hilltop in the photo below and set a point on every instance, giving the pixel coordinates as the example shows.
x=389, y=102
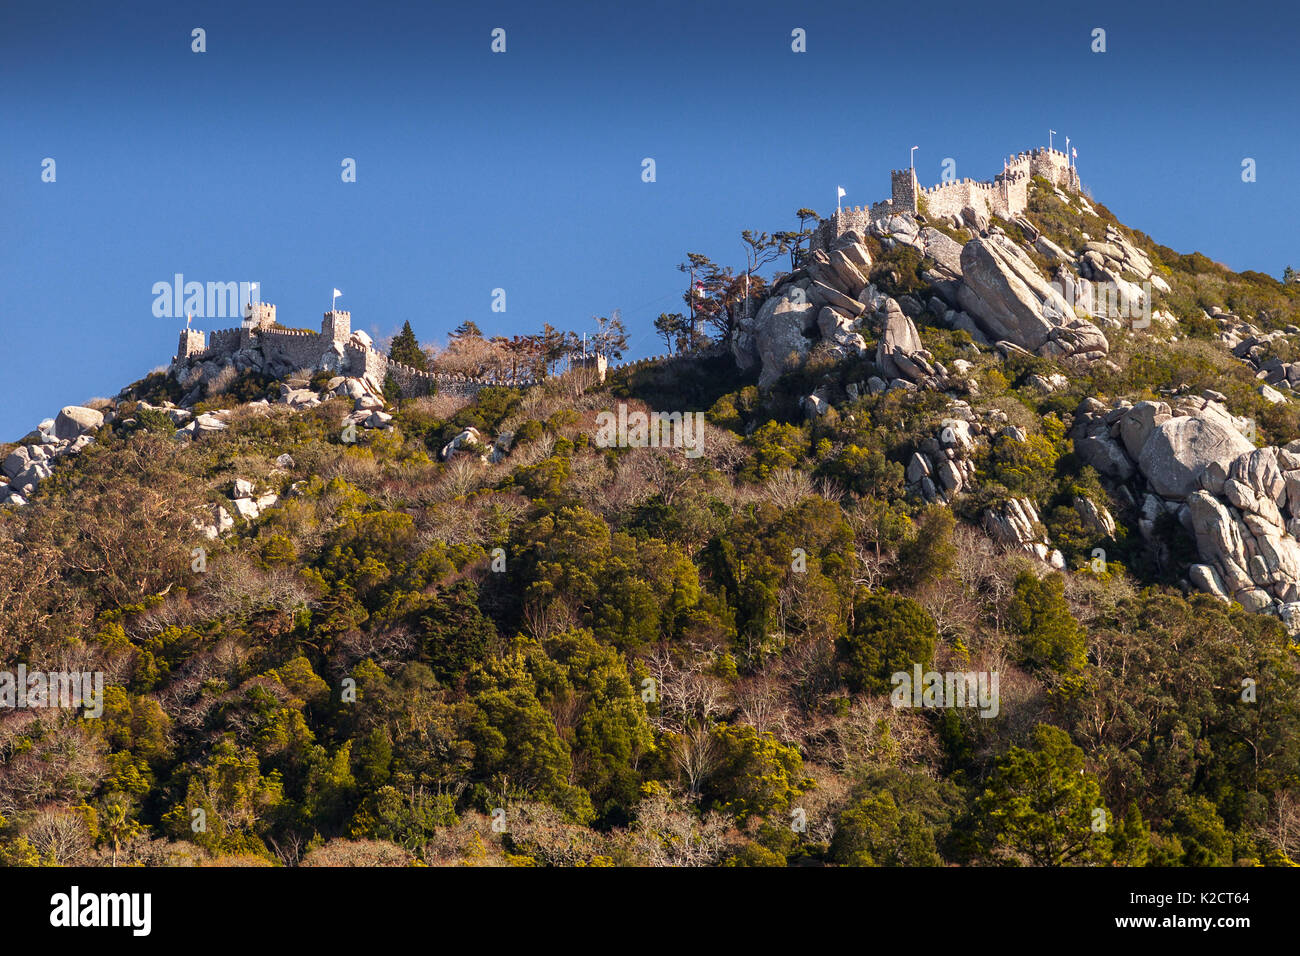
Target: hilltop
x=348, y=610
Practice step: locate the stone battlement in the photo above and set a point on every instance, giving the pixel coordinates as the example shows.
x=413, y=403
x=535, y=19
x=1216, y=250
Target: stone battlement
x=289, y=332
x=1005, y=196
x=259, y=315
x=332, y=348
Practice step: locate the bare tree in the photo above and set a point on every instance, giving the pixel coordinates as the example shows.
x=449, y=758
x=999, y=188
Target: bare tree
x=696, y=755
x=1283, y=827
x=666, y=833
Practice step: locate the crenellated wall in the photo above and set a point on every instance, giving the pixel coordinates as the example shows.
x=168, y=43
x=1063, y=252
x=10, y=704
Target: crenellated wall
x=300, y=348
x=1006, y=196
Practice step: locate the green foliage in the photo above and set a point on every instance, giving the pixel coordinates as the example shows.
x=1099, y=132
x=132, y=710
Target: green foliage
x=667, y=641
x=898, y=271
x=405, y=349
x=734, y=409
x=890, y=633
x=896, y=819
x=1039, y=805
x=1050, y=637
x=929, y=555
x=775, y=446
x=784, y=572
x=757, y=775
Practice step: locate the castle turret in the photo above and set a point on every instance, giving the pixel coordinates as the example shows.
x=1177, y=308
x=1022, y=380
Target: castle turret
x=259, y=316
x=337, y=326
x=592, y=365
x=1054, y=166
x=192, y=343
x=904, y=190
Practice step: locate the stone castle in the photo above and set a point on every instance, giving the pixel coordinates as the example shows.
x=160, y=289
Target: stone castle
x=1005, y=197
x=334, y=348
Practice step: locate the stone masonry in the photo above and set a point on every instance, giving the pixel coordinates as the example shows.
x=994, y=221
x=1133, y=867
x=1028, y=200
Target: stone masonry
x=335, y=348
x=1006, y=196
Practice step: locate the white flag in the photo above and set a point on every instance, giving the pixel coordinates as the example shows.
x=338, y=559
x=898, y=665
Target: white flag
x=337, y=293
x=841, y=194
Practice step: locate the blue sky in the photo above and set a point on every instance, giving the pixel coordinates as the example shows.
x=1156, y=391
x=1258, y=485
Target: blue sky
x=522, y=170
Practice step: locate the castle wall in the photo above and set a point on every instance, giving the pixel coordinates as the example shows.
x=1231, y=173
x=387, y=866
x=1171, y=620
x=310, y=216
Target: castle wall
x=226, y=341
x=951, y=198
x=1006, y=196
x=191, y=343
x=412, y=381
x=301, y=349
x=296, y=348
x=359, y=362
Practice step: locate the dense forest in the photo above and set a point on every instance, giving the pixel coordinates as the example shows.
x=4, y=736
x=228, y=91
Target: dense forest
x=574, y=655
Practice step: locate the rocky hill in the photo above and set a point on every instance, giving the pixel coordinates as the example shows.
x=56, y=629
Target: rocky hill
x=1045, y=462
x=1012, y=288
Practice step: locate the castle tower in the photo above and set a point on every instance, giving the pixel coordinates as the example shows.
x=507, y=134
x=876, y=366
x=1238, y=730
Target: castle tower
x=259, y=316
x=592, y=365
x=337, y=326
x=904, y=191
x=1054, y=166
x=192, y=343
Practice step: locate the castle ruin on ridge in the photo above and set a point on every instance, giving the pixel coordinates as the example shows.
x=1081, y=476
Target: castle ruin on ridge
x=1006, y=196
x=335, y=348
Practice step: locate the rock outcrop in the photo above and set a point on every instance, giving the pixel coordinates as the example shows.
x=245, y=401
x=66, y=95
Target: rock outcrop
x=822, y=301
x=1015, y=524
x=776, y=337
x=1178, y=450
x=1009, y=299
x=1191, y=459
x=899, y=353
x=24, y=468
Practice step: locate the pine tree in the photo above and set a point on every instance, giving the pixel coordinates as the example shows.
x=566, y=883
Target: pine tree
x=406, y=350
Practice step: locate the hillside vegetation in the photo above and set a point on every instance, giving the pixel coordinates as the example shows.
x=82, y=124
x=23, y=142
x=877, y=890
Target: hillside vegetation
x=566, y=654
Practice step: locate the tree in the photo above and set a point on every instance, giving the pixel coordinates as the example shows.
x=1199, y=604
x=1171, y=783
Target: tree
x=1041, y=805
x=714, y=294
x=611, y=337
x=556, y=346
x=760, y=249
x=454, y=633
x=794, y=240
x=517, y=748
x=116, y=822
x=890, y=633
x=467, y=353
x=670, y=327
x=896, y=818
x=1049, y=635
x=929, y=556
x=406, y=350
x=757, y=775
